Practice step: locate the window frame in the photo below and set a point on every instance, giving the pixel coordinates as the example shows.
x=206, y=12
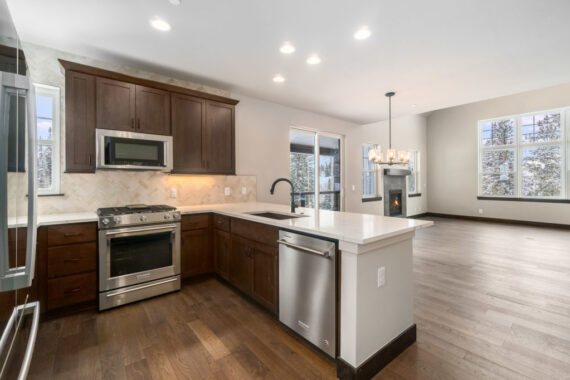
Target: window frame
x=416, y=173
x=317, y=134
x=55, y=143
x=376, y=193
x=518, y=146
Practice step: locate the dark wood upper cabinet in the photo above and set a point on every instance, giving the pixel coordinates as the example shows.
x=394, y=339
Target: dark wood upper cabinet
x=152, y=111
x=220, y=138
x=188, y=123
x=202, y=124
x=115, y=105
x=80, y=122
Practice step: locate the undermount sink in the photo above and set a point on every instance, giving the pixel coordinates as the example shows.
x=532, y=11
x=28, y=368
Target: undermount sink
x=275, y=215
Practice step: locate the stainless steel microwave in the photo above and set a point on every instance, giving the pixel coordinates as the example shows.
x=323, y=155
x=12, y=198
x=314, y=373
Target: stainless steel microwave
x=133, y=151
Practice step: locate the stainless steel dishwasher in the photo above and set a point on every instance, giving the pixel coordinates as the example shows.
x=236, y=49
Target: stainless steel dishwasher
x=307, y=288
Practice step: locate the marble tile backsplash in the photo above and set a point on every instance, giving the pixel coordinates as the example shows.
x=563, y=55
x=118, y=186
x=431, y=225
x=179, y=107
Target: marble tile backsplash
x=87, y=192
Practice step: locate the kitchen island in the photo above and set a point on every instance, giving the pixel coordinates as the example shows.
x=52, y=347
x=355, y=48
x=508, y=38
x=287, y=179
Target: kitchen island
x=375, y=296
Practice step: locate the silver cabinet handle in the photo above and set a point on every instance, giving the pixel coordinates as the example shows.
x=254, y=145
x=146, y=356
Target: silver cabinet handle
x=305, y=249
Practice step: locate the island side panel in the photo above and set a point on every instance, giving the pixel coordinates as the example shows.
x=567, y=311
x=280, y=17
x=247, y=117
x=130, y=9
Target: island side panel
x=372, y=316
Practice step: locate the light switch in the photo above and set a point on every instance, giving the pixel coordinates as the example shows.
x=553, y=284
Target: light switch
x=381, y=276
x=227, y=191
x=173, y=193
x=244, y=190
x=353, y=188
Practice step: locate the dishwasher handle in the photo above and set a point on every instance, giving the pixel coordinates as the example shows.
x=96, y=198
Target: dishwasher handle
x=305, y=249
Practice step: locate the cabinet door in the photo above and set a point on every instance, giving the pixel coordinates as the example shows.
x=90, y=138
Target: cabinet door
x=222, y=253
x=196, y=255
x=265, y=273
x=152, y=111
x=187, y=134
x=241, y=268
x=220, y=135
x=79, y=123
x=115, y=105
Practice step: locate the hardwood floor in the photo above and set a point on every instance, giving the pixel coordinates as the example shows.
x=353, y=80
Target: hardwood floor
x=491, y=301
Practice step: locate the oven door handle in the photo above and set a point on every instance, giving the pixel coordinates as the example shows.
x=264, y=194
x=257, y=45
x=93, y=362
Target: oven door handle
x=141, y=231
x=119, y=292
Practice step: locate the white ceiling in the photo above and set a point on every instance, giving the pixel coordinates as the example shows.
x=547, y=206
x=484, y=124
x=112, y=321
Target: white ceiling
x=435, y=54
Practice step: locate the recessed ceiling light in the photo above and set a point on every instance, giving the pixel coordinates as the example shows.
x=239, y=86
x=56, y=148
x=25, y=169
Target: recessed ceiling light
x=278, y=78
x=159, y=24
x=287, y=48
x=414, y=105
x=362, y=33
x=175, y=2
x=314, y=60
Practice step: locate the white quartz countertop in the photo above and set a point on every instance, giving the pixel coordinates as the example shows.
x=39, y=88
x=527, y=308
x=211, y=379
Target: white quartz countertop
x=343, y=226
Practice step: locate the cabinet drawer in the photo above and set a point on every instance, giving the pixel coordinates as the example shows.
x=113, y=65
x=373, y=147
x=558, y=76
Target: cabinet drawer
x=71, y=233
x=71, y=259
x=194, y=222
x=259, y=232
x=222, y=222
x=69, y=290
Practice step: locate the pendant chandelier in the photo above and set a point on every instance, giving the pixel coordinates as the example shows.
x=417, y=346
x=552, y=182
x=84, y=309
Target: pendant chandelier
x=377, y=156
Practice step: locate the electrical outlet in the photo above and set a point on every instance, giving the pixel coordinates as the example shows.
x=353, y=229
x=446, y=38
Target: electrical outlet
x=381, y=276
x=353, y=188
x=480, y=211
x=173, y=193
x=227, y=191
x=244, y=190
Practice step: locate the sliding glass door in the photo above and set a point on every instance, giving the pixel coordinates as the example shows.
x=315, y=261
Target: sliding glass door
x=312, y=181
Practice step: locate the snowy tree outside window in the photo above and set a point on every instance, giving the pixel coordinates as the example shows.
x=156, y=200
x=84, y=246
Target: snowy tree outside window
x=47, y=127
x=523, y=156
x=369, y=173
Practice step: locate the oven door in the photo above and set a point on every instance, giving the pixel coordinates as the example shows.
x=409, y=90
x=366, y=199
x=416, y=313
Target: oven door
x=135, y=255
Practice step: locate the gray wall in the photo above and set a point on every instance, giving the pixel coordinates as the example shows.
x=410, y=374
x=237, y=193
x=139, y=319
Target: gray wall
x=453, y=158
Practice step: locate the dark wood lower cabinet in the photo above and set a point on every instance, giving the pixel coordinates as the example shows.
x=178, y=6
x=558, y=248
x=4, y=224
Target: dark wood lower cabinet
x=241, y=268
x=222, y=251
x=253, y=269
x=265, y=275
x=196, y=257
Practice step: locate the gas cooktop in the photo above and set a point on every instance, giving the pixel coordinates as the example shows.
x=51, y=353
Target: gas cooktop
x=133, y=209
x=132, y=215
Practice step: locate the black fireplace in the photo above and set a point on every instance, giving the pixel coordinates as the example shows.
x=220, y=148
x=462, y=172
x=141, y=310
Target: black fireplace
x=395, y=202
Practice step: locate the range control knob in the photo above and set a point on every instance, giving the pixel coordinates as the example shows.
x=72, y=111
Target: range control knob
x=143, y=218
x=117, y=220
x=176, y=215
x=105, y=221
x=166, y=216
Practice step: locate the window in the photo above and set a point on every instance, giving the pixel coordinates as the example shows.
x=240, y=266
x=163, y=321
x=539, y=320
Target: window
x=369, y=173
x=414, y=178
x=47, y=124
x=305, y=174
x=523, y=156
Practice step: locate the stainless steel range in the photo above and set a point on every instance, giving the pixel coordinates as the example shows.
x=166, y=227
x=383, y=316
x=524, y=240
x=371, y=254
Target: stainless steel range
x=139, y=253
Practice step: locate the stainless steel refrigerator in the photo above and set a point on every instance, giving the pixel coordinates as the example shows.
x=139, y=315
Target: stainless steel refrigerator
x=19, y=310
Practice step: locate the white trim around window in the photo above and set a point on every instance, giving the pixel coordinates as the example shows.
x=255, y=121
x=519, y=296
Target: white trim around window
x=515, y=149
x=48, y=141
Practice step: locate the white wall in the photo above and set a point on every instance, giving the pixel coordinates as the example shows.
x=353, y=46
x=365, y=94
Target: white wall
x=262, y=148
x=409, y=133
x=262, y=141
x=452, y=158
